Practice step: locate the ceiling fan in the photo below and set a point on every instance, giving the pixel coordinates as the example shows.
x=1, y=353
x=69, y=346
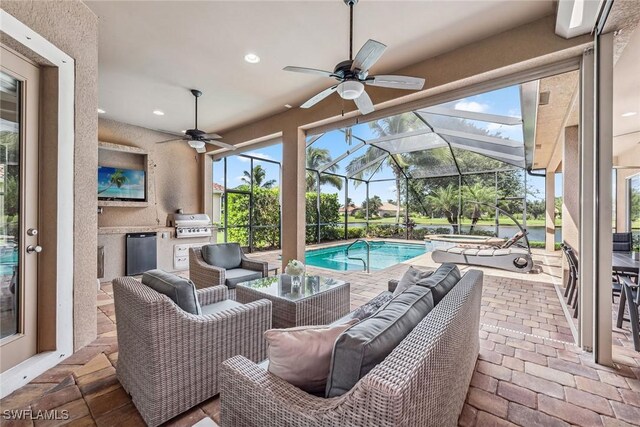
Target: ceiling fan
x=197, y=138
x=353, y=74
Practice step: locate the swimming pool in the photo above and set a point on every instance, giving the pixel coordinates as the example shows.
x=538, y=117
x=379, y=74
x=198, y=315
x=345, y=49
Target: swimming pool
x=383, y=255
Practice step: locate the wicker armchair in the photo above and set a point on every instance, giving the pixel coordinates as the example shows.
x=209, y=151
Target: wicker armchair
x=423, y=382
x=168, y=359
x=205, y=275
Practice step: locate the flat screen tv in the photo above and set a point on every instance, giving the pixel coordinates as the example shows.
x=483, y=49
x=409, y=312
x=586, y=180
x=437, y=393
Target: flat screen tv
x=121, y=184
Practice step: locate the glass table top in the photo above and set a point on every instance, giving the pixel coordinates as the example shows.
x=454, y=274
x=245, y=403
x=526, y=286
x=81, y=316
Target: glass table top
x=280, y=286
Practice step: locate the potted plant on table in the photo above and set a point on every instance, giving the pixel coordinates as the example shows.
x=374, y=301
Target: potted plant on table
x=295, y=269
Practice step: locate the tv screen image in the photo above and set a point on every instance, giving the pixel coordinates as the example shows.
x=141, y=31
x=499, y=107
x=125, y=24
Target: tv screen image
x=121, y=184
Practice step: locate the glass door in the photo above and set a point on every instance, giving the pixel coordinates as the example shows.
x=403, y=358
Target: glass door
x=18, y=209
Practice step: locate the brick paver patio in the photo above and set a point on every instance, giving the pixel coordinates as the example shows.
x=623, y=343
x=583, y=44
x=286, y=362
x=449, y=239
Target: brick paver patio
x=529, y=371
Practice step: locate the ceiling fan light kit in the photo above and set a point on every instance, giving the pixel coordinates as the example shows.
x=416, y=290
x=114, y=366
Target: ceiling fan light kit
x=353, y=73
x=194, y=143
x=350, y=89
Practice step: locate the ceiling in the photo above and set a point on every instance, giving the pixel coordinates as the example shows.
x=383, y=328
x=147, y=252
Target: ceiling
x=150, y=53
x=626, y=96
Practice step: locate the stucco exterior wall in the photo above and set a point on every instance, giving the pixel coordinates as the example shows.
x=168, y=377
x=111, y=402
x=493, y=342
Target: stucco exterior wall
x=173, y=183
x=73, y=28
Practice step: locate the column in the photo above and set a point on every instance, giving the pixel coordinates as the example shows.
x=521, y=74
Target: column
x=571, y=181
x=550, y=208
x=293, y=195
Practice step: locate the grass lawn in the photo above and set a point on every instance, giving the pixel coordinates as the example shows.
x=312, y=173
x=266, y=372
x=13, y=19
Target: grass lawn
x=540, y=222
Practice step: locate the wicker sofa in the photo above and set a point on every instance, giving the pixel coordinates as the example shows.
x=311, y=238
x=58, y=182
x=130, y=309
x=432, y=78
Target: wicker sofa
x=205, y=275
x=168, y=359
x=423, y=382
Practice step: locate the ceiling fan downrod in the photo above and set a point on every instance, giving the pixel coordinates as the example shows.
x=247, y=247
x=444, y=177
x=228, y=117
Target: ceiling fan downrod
x=197, y=94
x=350, y=3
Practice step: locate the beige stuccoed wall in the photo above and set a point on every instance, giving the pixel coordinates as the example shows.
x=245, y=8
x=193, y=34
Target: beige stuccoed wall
x=73, y=28
x=173, y=183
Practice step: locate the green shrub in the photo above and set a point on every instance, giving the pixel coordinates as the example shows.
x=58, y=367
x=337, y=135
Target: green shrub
x=356, y=233
x=329, y=217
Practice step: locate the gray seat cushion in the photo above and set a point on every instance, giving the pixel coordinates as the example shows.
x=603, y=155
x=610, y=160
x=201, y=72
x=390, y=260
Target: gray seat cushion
x=238, y=275
x=217, y=307
x=223, y=255
x=442, y=281
x=181, y=291
x=361, y=347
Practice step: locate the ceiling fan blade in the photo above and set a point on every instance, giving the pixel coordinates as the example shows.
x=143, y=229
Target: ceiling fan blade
x=170, y=140
x=219, y=144
x=368, y=55
x=319, y=97
x=364, y=104
x=308, y=71
x=397, y=82
x=212, y=136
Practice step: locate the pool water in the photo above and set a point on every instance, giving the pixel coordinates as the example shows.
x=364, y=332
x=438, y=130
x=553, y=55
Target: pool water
x=383, y=255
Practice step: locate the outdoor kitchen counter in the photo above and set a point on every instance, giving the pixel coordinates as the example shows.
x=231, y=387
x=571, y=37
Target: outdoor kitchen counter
x=135, y=229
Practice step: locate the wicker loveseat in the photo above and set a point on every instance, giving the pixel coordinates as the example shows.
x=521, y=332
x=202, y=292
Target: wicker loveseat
x=168, y=359
x=423, y=382
x=238, y=268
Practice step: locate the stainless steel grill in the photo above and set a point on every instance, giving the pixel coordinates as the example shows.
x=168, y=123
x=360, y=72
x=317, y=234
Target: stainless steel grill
x=190, y=225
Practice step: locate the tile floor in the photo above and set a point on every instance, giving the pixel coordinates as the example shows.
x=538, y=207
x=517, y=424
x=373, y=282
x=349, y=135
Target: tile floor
x=528, y=373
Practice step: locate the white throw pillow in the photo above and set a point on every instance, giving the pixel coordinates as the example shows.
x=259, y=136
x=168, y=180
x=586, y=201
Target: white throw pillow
x=302, y=355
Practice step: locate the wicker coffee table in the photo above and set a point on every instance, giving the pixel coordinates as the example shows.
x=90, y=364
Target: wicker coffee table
x=319, y=300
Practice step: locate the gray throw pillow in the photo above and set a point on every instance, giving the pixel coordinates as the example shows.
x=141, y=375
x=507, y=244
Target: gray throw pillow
x=442, y=281
x=360, y=348
x=223, y=255
x=410, y=278
x=181, y=291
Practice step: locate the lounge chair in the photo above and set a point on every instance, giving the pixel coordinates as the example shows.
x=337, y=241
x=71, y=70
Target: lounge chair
x=506, y=257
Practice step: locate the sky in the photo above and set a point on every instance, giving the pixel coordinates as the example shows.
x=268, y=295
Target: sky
x=504, y=102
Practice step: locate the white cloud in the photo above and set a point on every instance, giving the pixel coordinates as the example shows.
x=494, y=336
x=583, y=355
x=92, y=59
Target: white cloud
x=255, y=154
x=472, y=106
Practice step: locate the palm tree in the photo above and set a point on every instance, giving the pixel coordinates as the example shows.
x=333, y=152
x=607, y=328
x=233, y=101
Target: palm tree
x=374, y=205
x=316, y=158
x=445, y=199
x=259, y=174
x=478, y=197
x=117, y=178
x=384, y=127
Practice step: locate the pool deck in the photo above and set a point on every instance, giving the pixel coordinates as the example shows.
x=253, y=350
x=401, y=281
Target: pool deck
x=529, y=371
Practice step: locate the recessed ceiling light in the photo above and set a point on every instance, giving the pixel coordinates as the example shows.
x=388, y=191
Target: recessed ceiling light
x=252, y=58
x=101, y=111
x=158, y=113
x=629, y=113
x=288, y=105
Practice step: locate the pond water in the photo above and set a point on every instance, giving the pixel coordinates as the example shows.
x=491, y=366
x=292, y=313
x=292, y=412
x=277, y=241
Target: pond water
x=536, y=233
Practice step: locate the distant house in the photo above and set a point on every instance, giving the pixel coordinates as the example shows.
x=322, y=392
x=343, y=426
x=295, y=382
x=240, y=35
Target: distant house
x=216, y=214
x=351, y=210
x=389, y=209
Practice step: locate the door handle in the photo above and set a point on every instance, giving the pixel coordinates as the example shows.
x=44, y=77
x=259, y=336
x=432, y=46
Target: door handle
x=34, y=249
